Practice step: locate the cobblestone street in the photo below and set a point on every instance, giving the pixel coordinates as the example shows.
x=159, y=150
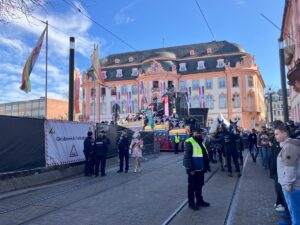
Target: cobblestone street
x=149, y=197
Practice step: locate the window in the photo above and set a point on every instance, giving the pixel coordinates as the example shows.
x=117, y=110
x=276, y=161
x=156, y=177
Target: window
x=103, y=92
x=250, y=81
x=221, y=82
x=220, y=63
x=209, y=50
x=182, y=86
x=104, y=74
x=236, y=100
x=124, y=106
x=93, y=93
x=135, y=106
x=235, y=81
x=201, y=65
x=117, y=61
x=92, y=108
x=209, y=102
x=208, y=84
x=119, y=73
x=123, y=90
x=195, y=84
x=182, y=67
x=223, y=101
x=134, y=89
x=113, y=91
x=134, y=72
x=192, y=52
x=130, y=59
x=196, y=102
x=250, y=102
x=155, y=84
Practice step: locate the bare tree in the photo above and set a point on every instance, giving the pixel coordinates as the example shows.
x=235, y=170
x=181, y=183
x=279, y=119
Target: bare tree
x=14, y=9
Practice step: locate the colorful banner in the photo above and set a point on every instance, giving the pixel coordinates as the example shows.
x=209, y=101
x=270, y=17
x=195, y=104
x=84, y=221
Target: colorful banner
x=97, y=72
x=167, y=105
x=143, y=92
x=64, y=142
x=201, y=96
x=26, y=85
x=76, y=90
x=190, y=96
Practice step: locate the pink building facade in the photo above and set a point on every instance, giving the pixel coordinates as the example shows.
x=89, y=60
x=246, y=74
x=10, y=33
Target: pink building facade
x=229, y=76
x=291, y=36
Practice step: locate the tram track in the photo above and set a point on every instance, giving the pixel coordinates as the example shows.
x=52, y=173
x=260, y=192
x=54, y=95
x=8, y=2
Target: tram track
x=232, y=205
x=82, y=185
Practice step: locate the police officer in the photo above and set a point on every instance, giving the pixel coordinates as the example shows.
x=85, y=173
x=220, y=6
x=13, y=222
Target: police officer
x=196, y=163
x=101, y=146
x=176, y=142
x=229, y=140
x=89, y=147
x=123, y=145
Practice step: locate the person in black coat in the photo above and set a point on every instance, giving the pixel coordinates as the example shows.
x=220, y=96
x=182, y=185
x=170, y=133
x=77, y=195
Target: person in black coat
x=123, y=146
x=89, y=148
x=195, y=167
x=252, y=139
x=101, y=147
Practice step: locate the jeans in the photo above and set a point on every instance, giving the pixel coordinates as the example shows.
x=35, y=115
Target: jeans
x=293, y=201
x=265, y=157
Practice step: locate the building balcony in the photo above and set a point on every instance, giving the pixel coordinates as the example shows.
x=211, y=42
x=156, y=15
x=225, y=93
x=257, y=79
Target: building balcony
x=294, y=76
x=155, y=89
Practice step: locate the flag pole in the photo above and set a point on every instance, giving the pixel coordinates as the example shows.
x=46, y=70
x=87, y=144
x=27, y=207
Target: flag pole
x=46, y=79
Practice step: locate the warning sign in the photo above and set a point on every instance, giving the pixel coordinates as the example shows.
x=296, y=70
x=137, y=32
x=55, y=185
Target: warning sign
x=73, y=152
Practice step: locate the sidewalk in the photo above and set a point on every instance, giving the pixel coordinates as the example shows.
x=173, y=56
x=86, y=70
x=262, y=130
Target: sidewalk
x=255, y=198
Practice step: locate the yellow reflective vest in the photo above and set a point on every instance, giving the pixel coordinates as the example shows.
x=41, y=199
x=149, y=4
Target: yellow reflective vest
x=197, y=150
x=177, y=139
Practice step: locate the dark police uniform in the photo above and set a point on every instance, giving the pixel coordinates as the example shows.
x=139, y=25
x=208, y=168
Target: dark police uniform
x=123, y=145
x=101, y=146
x=89, y=147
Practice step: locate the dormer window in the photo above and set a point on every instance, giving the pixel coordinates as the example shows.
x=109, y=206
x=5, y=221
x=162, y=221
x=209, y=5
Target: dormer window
x=104, y=74
x=182, y=67
x=192, y=52
x=209, y=51
x=135, y=72
x=220, y=63
x=201, y=65
x=130, y=59
x=119, y=73
x=117, y=61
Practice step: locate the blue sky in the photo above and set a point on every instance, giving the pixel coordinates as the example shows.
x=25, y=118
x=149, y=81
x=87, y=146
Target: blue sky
x=143, y=24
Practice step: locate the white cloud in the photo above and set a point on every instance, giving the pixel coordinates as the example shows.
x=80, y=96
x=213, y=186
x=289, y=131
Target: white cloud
x=122, y=16
x=15, y=45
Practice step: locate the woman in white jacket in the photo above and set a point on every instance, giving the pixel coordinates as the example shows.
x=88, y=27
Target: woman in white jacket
x=136, y=148
x=288, y=169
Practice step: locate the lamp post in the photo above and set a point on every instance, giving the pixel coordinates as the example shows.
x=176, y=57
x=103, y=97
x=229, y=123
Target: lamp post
x=271, y=107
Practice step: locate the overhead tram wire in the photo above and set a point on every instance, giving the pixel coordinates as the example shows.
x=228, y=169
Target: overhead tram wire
x=101, y=26
x=218, y=46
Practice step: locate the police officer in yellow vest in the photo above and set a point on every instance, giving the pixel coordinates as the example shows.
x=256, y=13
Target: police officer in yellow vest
x=196, y=162
x=176, y=143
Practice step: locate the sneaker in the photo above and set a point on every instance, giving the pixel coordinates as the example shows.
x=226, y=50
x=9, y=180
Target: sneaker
x=280, y=208
x=203, y=204
x=135, y=170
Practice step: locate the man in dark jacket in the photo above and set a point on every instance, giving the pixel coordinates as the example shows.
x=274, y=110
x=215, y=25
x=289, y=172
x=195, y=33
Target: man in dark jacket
x=252, y=138
x=229, y=139
x=196, y=163
x=89, y=147
x=123, y=146
x=101, y=146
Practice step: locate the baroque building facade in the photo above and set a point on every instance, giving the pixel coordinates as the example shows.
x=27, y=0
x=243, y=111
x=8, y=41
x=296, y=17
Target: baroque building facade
x=221, y=74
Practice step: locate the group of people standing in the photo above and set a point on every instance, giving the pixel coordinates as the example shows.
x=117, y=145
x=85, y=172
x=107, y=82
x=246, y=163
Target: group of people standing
x=95, y=152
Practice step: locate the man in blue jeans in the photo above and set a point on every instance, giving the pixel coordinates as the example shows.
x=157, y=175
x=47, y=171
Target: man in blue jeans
x=264, y=143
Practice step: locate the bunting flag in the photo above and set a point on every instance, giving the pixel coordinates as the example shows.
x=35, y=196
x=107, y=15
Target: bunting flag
x=143, y=92
x=167, y=105
x=97, y=73
x=164, y=87
x=26, y=86
x=201, y=96
x=128, y=101
x=190, y=96
x=76, y=90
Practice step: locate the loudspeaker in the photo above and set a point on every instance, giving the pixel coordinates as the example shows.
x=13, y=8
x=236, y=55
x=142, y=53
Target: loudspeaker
x=200, y=114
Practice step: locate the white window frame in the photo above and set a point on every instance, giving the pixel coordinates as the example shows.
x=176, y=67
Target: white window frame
x=201, y=65
x=221, y=63
x=104, y=74
x=211, y=84
x=182, y=67
x=119, y=73
x=135, y=72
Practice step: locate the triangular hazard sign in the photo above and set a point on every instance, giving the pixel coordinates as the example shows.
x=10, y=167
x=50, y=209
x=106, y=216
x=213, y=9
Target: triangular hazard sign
x=73, y=152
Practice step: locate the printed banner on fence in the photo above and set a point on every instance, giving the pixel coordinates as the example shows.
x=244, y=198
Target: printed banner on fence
x=64, y=142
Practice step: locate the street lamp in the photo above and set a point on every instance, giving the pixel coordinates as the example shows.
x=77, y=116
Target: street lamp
x=271, y=108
